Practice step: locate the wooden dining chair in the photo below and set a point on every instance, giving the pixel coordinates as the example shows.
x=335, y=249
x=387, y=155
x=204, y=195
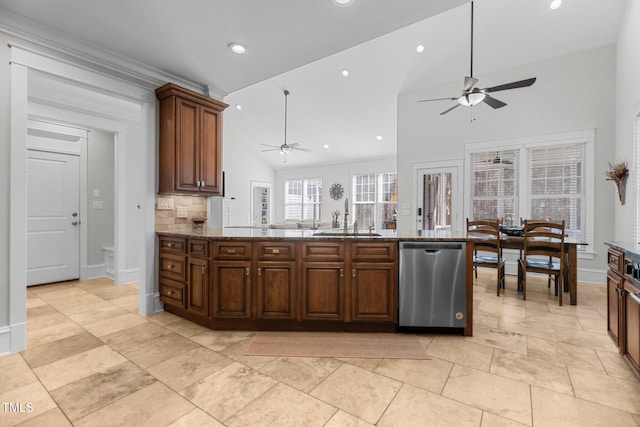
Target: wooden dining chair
x=487, y=251
x=543, y=252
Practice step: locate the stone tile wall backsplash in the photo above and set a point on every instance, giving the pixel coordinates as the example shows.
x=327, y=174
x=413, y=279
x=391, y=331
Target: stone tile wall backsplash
x=167, y=219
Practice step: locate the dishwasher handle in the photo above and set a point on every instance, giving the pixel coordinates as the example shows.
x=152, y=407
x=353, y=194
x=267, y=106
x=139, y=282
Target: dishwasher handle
x=432, y=251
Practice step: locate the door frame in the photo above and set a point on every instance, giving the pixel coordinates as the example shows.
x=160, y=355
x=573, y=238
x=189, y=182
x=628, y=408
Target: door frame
x=261, y=184
x=456, y=168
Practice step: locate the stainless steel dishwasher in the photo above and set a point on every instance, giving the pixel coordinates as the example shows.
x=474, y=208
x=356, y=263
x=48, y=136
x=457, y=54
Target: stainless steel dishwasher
x=433, y=288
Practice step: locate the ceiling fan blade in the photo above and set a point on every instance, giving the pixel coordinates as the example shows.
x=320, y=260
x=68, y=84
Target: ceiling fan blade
x=446, y=111
x=438, y=99
x=308, y=150
x=512, y=85
x=270, y=149
x=295, y=144
x=273, y=146
x=469, y=83
x=493, y=103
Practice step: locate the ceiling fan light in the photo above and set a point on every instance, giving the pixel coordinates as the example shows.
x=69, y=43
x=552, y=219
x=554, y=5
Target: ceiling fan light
x=238, y=48
x=286, y=150
x=471, y=99
x=555, y=4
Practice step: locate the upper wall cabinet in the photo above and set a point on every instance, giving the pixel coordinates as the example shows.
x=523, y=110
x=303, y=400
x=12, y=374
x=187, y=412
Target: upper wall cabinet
x=190, y=149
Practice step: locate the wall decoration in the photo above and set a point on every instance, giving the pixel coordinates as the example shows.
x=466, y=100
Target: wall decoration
x=336, y=191
x=618, y=173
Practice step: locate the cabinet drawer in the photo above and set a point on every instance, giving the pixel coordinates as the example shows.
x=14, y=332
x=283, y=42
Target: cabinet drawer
x=199, y=248
x=172, y=244
x=373, y=252
x=171, y=292
x=276, y=250
x=616, y=260
x=173, y=266
x=323, y=251
x=231, y=250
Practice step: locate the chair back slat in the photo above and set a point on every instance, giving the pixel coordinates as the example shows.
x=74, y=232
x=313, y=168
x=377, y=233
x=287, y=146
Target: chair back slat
x=544, y=238
x=486, y=235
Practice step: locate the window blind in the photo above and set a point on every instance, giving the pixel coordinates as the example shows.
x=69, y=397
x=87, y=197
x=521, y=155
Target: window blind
x=303, y=199
x=636, y=163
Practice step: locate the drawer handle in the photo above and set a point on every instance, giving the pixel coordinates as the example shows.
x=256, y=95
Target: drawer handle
x=246, y=271
x=169, y=245
x=342, y=272
x=170, y=293
x=231, y=251
x=259, y=271
x=635, y=297
x=353, y=272
x=275, y=251
x=170, y=266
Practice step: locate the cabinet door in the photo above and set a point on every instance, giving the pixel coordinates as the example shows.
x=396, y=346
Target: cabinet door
x=276, y=290
x=323, y=290
x=211, y=151
x=632, y=320
x=231, y=289
x=198, y=287
x=187, y=156
x=373, y=291
x=613, y=307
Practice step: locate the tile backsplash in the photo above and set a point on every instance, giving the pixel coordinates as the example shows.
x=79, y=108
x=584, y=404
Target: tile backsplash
x=170, y=208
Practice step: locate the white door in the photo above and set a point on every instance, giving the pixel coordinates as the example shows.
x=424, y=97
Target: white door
x=438, y=198
x=53, y=217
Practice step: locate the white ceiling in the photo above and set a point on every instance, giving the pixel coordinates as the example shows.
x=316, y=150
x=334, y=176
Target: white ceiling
x=302, y=46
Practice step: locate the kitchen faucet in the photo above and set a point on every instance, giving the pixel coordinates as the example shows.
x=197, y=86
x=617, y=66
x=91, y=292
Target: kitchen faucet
x=346, y=215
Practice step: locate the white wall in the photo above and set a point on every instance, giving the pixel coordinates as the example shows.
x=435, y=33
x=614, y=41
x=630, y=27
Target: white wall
x=627, y=103
x=330, y=174
x=572, y=92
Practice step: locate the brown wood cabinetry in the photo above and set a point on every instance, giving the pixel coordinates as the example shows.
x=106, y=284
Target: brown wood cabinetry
x=231, y=281
x=198, y=285
x=190, y=150
x=373, y=296
x=276, y=280
x=632, y=323
x=615, y=286
x=323, y=290
x=172, y=271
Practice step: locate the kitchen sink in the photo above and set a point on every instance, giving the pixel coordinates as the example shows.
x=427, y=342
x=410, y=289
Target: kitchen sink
x=340, y=233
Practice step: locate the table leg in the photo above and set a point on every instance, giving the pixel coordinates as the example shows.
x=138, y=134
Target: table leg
x=572, y=266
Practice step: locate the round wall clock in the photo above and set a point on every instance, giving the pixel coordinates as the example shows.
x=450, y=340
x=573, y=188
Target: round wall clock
x=336, y=191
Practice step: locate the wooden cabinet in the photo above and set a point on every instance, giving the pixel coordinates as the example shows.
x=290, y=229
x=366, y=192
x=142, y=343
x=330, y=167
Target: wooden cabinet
x=632, y=323
x=276, y=280
x=374, y=278
x=323, y=290
x=615, y=294
x=172, y=271
x=190, y=151
x=198, y=284
x=231, y=281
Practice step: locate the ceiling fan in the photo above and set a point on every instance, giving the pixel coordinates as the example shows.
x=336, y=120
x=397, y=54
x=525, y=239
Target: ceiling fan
x=472, y=95
x=286, y=148
x=499, y=160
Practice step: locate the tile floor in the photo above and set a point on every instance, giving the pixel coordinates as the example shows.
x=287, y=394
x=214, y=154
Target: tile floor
x=92, y=361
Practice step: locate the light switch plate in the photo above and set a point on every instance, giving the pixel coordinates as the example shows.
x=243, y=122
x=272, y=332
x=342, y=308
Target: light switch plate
x=96, y=192
x=165, y=203
x=97, y=204
x=181, y=212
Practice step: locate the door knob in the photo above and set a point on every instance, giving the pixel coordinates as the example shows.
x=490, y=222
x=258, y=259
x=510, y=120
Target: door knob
x=74, y=214
x=74, y=223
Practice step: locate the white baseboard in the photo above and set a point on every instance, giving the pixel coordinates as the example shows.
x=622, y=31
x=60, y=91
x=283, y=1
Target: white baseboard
x=5, y=340
x=127, y=276
x=96, y=270
x=13, y=338
x=585, y=275
x=153, y=304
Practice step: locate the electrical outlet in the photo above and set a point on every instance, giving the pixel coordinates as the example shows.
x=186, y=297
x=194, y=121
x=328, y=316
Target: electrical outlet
x=165, y=203
x=181, y=212
x=97, y=204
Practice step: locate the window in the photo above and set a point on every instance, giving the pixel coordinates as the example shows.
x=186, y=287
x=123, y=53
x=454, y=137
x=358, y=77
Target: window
x=541, y=177
x=636, y=162
x=303, y=199
x=375, y=199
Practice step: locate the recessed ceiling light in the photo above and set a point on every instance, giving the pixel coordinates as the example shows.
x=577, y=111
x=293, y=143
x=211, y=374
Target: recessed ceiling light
x=326, y=146
x=555, y=4
x=420, y=48
x=345, y=73
x=343, y=2
x=238, y=107
x=238, y=48
x=379, y=137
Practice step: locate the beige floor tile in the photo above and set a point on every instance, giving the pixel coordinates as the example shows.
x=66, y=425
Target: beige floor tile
x=493, y=420
x=498, y=338
x=225, y=392
x=485, y=319
x=186, y=328
x=585, y=339
x=52, y=333
x=44, y=354
x=33, y=394
x=528, y=328
x=129, y=303
x=58, y=292
x=163, y=318
x=283, y=406
x=557, y=409
x=187, y=368
x=606, y=390
x=358, y=392
x=221, y=340
x=85, y=306
x=111, y=291
x=237, y=351
x=595, y=324
x=135, y=335
x=42, y=321
x=35, y=302
x=78, y=366
x=508, y=398
x=368, y=364
x=109, y=326
x=415, y=407
x=88, y=394
x=615, y=365
x=34, y=312
x=564, y=354
x=157, y=350
x=531, y=370
x=557, y=319
x=342, y=419
x=196, y=418
x=75, y=303
x=427, y=374
x=462, y=351
x=14, y=373
x=154, y=405
x=302, y=373
x=104, y=311
x=51, y=418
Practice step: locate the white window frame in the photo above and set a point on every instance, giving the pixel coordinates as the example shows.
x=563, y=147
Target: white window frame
x=522, y=144
x=635, y=136
x=302, y=201
x=377, y=203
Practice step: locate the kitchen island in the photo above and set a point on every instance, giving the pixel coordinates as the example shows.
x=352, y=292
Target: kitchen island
x=269, y=279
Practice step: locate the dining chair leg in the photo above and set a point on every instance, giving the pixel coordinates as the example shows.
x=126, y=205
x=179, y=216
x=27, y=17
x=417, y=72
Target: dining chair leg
x=560, y=288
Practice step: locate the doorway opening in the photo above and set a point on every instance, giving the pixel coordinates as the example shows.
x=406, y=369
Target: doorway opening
x=438, y=197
